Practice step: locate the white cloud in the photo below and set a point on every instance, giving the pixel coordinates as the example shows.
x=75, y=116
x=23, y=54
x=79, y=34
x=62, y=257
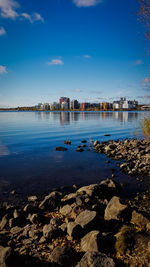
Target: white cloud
x=138, y=62
x=86, y=56
x=77, y=90
x=9, y=9
x=56, y=62
x=86, y=3
x=33, y=17
x=3, y=69
x=2, y=31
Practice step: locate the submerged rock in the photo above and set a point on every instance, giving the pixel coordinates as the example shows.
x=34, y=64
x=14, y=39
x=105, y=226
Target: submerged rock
x=60, y=148
x=67, y=142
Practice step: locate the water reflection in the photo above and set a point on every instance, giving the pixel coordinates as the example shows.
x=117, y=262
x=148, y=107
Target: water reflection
x=65, y=118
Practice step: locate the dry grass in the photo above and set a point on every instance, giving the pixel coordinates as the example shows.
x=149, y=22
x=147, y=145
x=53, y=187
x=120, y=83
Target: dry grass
x=146, y=127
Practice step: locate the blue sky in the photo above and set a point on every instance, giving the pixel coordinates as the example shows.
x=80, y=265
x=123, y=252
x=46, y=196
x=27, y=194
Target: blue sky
x=90, y=50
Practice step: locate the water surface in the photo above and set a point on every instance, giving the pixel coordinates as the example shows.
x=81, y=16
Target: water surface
x=29, y=163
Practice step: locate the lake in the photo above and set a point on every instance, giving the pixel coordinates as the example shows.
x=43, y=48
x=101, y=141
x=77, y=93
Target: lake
x=30, y=164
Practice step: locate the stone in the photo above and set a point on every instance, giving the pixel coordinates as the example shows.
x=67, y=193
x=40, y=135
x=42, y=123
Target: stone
x=67, y=142
x=34, y=218
x=4, y=222
x=16, y=230
x=61, y=148
x=96, y=143
x=50, y=231
x=64, y=256
x=89, y=189
x=69, y=199
x=13, y=192
x=29, y=208
x=83, y=141
x=63, y=227
x=139, y=220
x=91, y=241
x=51, y=201
x=74, y=230
x=95, y=259
x=114, y=209
x=5, y=253
x=86, y=218
x=32, y=198
x=65, y=210
x=79, y=149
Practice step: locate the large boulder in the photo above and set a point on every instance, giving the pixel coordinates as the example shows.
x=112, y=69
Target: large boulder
x=74, y=230
x=95, y=259
x=51, y=201
x=91, y=241
x=86, y=219
x=114, y=209
x=89, y=189
x=63, y=256
x=5, y=253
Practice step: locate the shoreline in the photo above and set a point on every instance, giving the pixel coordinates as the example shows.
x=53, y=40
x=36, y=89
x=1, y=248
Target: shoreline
x=91, y=223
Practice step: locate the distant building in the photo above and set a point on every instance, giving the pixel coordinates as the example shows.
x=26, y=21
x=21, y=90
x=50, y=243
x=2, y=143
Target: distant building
x=74, y=104
x=64, y=105
x=94, y=105
x=64, y=99
x=39, y=106
x=106, y=105
x=46, y=106
x=125, y=104
x=54, y=106
x=85, y=106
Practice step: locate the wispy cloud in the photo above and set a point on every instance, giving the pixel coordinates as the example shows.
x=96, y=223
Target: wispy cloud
x=2, y=31
x=77, y=90
x=97, y=92
x=33, y=17
x=86, y=3
x=56, y=62
x=9, y=9
x=3, y=69
x=146, y=83
x=137, y=62
x=86, y=56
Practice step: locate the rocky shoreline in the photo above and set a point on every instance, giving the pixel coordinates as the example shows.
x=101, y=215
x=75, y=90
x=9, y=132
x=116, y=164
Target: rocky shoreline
x=89, y=226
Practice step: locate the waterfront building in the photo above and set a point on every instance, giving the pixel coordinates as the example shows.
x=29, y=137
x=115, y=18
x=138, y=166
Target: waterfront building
x=85, y=106
x=74, y=104
x=125, y=104
x=54, y=106
x=46, y=106
x=64, y=99
x=64, y=105
x=106, y=105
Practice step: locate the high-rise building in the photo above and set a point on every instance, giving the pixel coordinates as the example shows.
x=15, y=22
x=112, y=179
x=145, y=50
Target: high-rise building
x=64, y=99
x=74, y=104
x=84, y=106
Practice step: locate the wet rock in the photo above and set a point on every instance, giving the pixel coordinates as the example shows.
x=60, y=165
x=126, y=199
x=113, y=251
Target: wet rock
x=139, y=220
x=106, y=134
x=79, y=149
x=114, y=209
x=64, y=256
x=86, y=219
x=5, y=253
x=95, y=259
x=74, y=230
x=96, y=143
x=51, y=201
x=65, y=210
x=67, y=142
x=61, y=148
x=83, y=141
x=91, y=241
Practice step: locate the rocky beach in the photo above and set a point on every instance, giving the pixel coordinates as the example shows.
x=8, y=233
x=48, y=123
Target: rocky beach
x=91, y=225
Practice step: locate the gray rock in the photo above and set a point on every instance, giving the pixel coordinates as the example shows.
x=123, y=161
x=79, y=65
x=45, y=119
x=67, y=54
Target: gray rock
x=86, y=218
x=61, y=148
x=50, y=231
x=114, y=209
x=5, y=253
x=4, y=222
x=91, y=241
x=74, y=230
x=95, y=259
x=51, y=201
x=32, y=198
x=65, y=210
x=64, y=256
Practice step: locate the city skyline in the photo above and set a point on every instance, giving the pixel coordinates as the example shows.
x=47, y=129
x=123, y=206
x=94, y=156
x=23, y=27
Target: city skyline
x=93, y=51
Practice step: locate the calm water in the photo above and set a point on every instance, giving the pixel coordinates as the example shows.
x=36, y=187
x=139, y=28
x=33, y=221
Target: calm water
x=29, y=163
